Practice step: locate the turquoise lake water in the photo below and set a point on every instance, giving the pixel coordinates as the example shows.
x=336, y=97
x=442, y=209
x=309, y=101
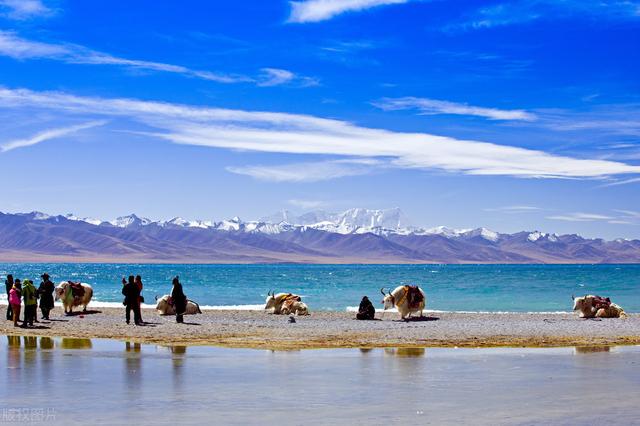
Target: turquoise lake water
x=494, y=288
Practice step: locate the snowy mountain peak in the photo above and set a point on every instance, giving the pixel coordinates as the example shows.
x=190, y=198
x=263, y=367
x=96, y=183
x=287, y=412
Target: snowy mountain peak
x=131, y=220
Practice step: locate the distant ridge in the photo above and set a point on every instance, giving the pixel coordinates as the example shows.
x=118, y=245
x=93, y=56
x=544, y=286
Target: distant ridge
x=353, y=236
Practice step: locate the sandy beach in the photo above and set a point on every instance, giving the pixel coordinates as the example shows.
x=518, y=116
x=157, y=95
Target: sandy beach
x=255, y=329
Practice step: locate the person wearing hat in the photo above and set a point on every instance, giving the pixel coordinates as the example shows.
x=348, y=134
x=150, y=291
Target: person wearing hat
x=8, y=284
x=45, y=291
x=30, y=296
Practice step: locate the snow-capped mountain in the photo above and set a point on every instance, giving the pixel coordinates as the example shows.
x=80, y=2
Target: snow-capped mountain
x=356, y=235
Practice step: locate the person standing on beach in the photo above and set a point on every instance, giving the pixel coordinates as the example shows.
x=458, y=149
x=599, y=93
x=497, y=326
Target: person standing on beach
x=8, y=284
x=140, y=298
x=131, y=301
x=179, y=299
x=45, y=291
x=30, y=296
x=15, y=295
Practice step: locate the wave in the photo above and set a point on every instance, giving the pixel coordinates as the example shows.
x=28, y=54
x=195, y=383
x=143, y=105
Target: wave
x=436, y=311
x=103, y=304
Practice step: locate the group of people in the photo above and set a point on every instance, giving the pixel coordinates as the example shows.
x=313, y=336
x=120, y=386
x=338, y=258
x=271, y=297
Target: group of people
x=24, y=290
x=133, y=299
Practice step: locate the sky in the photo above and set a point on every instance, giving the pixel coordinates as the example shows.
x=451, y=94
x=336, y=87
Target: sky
x=512, y=115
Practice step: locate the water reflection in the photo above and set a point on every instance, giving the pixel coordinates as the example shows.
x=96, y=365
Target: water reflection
x=133, y=366
x=581, y=350
x=75, y=343
x=46, y=343
x=406, y=352
x=13, y=341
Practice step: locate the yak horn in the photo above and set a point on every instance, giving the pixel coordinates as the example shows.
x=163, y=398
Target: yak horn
x=573, y=297
x=382, y=291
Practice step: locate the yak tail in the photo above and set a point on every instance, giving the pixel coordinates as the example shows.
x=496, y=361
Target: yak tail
x=195, y=303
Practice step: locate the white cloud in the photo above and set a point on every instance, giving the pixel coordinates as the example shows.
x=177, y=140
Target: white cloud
x=278, y=77
x=433, y=106
x=514, y=209
x=306, y=172
x=525, y=11
x=305, y=134
x=321, y=10
x=307, y=204
x=581, y=217
x=19, y=48
x=47, y=135
x=24, y=9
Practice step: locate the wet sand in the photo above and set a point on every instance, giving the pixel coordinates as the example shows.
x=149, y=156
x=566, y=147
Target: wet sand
x=254, y=329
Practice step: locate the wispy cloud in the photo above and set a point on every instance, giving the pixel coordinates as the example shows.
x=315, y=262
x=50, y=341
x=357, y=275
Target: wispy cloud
x=621, y=182
x=322, y=10
x=23, y=9
x=524, y=11
x=580, y=217
x=48, y=135
x=624, y=217
x=306, y=134
x=432, y=106
x=308, y=171
x=15, y=47
x=514, y=209
x=279, y=77
x=307, y=204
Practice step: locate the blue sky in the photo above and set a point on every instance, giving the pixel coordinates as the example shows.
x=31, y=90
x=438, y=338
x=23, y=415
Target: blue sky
x=512, y=115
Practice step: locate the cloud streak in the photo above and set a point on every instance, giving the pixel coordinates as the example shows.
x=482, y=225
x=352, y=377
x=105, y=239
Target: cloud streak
x=22, y=49
x=433, y=106
x=48, y=135
x=514, y=209
x=274, y=132
x=308, y=171
x=525, y=11
x=23, y=9
x=322, y=10
x=625, y=217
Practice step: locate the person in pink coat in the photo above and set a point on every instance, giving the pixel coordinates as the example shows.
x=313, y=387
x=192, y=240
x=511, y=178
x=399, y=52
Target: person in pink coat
x=14, y=300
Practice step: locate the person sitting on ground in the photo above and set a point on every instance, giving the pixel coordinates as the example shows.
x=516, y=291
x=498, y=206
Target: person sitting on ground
x=45, y=291
x=179, y=299
x=366, y=311
x=8, y=284
x=30, y=296
x=131, y=295
x=15, y=296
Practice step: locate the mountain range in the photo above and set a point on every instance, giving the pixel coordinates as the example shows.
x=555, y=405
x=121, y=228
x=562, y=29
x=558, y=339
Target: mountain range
x=353, y=236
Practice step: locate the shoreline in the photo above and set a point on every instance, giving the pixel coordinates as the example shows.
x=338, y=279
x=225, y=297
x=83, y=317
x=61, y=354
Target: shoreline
x=325, y=330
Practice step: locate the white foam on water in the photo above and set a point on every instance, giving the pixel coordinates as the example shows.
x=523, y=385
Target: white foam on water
x=100, y=304
x=435, y=311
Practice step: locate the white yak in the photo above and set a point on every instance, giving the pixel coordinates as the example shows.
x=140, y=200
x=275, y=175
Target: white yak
x=285, y=304
x=591, y=306
x=71, y=296
x=406, y=299
x=165, y=308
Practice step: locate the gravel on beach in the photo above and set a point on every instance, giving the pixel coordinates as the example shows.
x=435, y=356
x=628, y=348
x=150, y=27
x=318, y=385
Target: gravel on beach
x=257, y=329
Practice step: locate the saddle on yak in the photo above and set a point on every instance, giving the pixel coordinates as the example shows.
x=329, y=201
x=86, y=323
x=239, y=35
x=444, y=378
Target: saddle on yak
x=76, y=289
x=414, y=296
x=601, y=302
